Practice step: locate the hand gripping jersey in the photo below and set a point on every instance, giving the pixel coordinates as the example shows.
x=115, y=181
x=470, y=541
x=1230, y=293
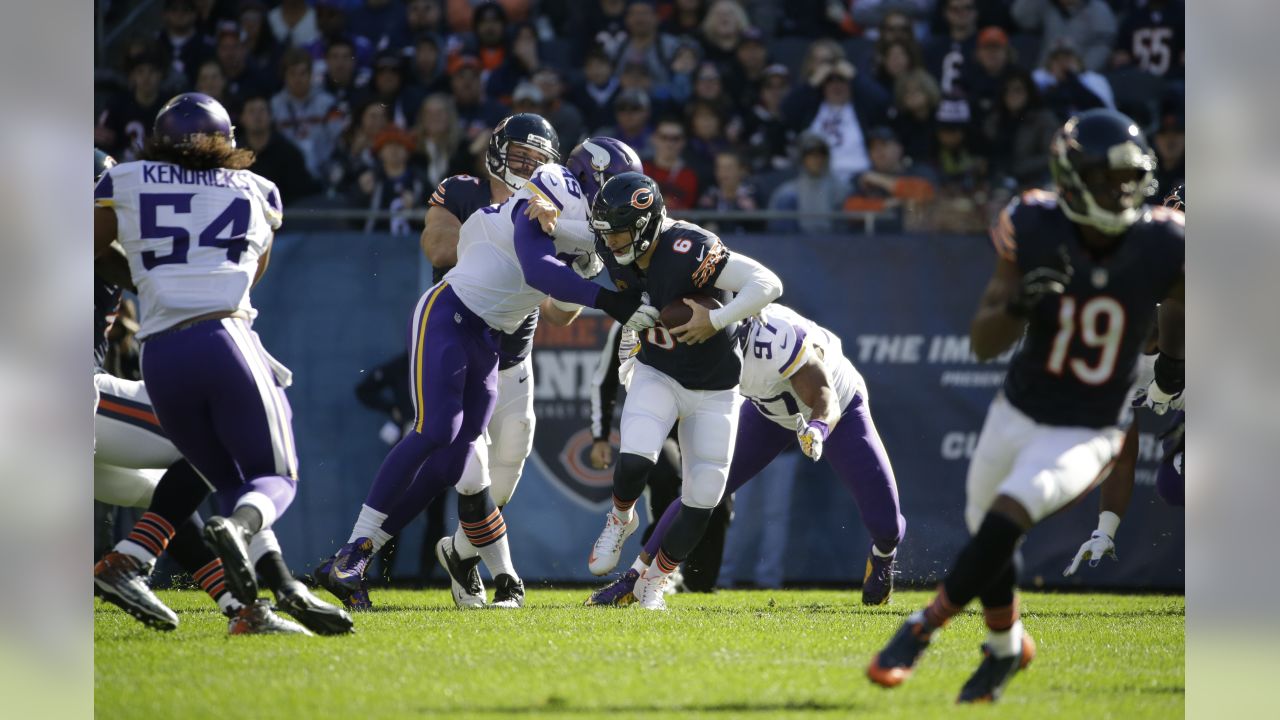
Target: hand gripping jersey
x=687, y=260
x=193, y=237
x=488, y=278
x=779, y=342
x=1079, y=356
x=462, y=196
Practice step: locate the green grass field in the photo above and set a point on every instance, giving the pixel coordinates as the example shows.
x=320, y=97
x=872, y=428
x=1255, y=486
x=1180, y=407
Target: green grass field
x=732, y=654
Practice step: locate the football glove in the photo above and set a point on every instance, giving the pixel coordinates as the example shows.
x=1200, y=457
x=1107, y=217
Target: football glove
x=628, y=344
x=1098, y=546
x=1158, y=400
x=627, y=308
x=1041, y=282
x=812, y=436
x=587, y=265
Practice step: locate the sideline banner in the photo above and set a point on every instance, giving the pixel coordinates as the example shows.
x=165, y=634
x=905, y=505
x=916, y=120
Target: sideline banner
x=333, y=306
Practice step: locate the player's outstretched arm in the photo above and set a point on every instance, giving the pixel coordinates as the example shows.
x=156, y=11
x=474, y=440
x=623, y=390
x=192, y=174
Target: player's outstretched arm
x=1117, y=490
x=813, y=386
x=756, y=286
x=994, y=328
x=558, y=313
x=440, y=237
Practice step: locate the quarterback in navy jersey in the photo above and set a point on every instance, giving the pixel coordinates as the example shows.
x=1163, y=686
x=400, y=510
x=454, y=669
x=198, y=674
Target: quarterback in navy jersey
x=687, y=374
x=1078, y=278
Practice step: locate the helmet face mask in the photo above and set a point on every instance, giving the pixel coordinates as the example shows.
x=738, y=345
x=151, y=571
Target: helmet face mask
x=628, y=212
x=519, y=145
x=1104, y=170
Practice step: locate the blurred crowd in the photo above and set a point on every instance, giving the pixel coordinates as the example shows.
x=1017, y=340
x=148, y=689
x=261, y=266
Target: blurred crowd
x=930, y=112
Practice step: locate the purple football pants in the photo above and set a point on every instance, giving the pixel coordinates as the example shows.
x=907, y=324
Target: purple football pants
x=216, y=394
x=453, y=374
x=1170, y=484
x=854, y=451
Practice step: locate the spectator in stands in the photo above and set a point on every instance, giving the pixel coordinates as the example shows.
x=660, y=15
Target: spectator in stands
x=263, y=48
x=421, y=17
x=685, y=18
x=875, y=13
x=460, y=14
x=376, y=20
x=631, y=112
x=125, y=124
x=488, y=41
x=722, y=30
x=962, y=187
x=834, y=103
x=388, y=87
x=294, y=24
x=332, y=21
x=244, y=76
x=185, y=47
x=276, y=158
x=393, y=185
x=1169, y=142
x=521, y=63
x=892, y=183
x=1089, y=25
x=440, y=144
x=600, y=25
x=426, y=72
x=913, y=119
x=986, y=76
x=678, y=88
x=564, y=117
x=731, y=192
x=341, y=78
x=1019, y=129
x=594, y=97
x=354, y=152
x=895, y=57
x=644, y=42
x=476, y=112
x=212, y=13
x=948, y=56
x=766, y=131
x=211, y=82
x=1067, y=87
x=527, y=98
x=814, y=192
x=742, y=80
x=303, y=113
x=708, y=87
x=707, y=138
x=667, y=167
x=1153, y=37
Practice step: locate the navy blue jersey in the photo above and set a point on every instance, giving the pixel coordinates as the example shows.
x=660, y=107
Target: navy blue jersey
x=1155, y=38
x=687, y=260
x=1078, y=358
x=106, y=303
x=462, y=195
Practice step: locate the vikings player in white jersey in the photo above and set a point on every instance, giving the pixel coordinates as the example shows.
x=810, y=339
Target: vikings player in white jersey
x=196, y=228
x=507, y=266
x=801, y=388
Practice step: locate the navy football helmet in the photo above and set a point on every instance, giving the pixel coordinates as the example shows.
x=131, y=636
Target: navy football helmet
x=633, y=203
x=1103, y=168
x=526, y=130
x=599, y=158
x=190, y=114
x=1177, y=199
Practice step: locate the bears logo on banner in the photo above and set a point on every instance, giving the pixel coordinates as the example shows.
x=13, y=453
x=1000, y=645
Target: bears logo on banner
x=564, y=361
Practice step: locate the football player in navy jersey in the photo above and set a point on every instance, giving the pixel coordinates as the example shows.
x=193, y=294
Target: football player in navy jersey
x=688, y=374
x=1078, y=278
x=1117, y=489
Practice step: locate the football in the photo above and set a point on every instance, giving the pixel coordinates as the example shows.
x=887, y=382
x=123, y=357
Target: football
x=676, y=313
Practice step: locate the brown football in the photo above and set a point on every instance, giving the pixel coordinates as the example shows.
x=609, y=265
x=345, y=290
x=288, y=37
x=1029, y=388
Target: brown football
x=676, y=313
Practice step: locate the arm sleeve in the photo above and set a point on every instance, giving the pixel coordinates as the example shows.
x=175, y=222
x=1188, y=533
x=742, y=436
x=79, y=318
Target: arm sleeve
x=578, y=232
x=604, y=386
x=755, y=285
x=542, y=269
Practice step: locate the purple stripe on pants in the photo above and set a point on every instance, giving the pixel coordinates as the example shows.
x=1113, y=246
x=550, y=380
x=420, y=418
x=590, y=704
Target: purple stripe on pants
x=854, y=451
x=456, y=378
x=211, y=398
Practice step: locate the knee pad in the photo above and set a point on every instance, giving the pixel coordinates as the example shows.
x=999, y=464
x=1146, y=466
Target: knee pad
x=705, y=486
x=262, y=543
x=475, y=473
x=124, y=487
x=511, y=445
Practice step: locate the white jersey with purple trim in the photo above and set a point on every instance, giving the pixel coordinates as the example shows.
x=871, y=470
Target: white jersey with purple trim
x=779, y=342
x=488, y=278
x=193, y=237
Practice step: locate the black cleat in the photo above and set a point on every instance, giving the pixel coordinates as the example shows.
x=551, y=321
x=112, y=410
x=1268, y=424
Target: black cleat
x=988, y=681
x=464, y=575
x=230, y=542
x=877, y=583
x=257, y=618
x=121, y=580
x=894, y=664
x=317, y=615
x=508, y=592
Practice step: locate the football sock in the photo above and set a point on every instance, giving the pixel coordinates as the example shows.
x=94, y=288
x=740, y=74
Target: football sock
x=148, y=538
x=639, y=565
x=188, y=549
x=482, y=522
x=623, y=511
x=686, y=530
x=268, y=562
x=462, y=544
x=875, y=550
x=984, y=560
x=628, y=483
x=663, y=564
x=212, y=580
x=1006, y=643
x=248, y=517
x=369, y=525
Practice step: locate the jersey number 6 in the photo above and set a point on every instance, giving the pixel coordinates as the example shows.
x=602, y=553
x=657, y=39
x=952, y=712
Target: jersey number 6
x=660, y=338
x=235, y=216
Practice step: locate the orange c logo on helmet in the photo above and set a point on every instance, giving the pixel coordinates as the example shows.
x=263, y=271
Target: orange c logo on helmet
x=641, y=198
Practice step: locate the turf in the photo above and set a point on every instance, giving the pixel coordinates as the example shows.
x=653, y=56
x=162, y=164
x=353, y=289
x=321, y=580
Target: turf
x=733, y=654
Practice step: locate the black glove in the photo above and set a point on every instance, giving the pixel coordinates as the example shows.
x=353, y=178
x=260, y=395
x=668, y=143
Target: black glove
x=1039, y=283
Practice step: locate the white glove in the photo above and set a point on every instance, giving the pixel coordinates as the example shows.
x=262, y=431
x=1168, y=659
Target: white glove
x=390, y=433
x=628, y=344
x=588, y=265
x=811, y=436
x=1099, y=545
x=645, y=317
x=1158, y=400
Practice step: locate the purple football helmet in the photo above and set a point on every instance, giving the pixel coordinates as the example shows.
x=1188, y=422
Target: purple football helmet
x=190, y=114
x=599, y=158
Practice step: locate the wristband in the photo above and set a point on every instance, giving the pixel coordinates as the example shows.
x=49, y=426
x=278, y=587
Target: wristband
x=1109, y=523
x=823, y=429
x=566, y=306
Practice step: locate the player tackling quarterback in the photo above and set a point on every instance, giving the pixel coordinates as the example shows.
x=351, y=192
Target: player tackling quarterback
x=1078, y=279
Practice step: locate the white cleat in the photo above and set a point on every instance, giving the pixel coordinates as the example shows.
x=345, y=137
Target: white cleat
x=650, y=591
x=464, y=575
x=608, y=547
